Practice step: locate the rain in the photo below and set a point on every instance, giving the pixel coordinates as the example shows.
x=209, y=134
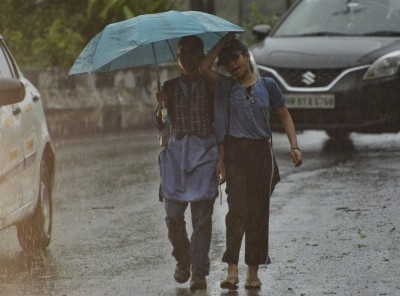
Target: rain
x=334, y=223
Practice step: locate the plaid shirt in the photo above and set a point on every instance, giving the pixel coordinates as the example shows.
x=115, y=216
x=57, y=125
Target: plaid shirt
x=190, y=107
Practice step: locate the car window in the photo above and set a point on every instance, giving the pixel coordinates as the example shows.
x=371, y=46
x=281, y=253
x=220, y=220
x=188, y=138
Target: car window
x=342, y=17
x=5, y=63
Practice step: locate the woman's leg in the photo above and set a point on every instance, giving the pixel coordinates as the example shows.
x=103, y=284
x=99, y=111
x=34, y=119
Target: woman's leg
x=235, y=219
x=237, y=210
x=252, y=280
x=257, y=224
x=252, y=272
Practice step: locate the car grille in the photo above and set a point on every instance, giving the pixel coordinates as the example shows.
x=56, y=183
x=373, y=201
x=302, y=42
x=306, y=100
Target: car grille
x=307, y=77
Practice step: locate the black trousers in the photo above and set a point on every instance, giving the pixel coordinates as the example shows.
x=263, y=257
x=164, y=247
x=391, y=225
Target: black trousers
x=248, y=168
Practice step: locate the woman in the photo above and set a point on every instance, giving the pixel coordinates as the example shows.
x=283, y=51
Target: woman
x=242, y=127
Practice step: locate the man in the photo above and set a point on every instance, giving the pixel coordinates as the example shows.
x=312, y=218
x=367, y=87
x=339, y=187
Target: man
x=188, y=164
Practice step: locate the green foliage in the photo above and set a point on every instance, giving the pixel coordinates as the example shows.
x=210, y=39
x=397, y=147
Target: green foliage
x=100, y=13
x=51, y=50
x=52, y=33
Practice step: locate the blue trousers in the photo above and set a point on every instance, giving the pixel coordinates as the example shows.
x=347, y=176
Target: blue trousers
x=194, y=251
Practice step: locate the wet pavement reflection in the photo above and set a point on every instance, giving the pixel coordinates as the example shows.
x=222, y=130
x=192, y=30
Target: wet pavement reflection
x=109, y=235
x=21, y=273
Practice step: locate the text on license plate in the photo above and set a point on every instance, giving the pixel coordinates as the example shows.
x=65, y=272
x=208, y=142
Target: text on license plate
x=310, y=101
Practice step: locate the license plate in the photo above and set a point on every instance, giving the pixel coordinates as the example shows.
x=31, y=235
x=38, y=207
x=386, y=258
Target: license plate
x=310, y=101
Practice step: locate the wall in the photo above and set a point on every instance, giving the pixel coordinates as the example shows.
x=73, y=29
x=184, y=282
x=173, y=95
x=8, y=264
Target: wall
x=96, y=103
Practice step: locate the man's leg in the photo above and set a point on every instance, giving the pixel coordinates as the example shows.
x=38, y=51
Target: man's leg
x=200, y=241
x=177, y=235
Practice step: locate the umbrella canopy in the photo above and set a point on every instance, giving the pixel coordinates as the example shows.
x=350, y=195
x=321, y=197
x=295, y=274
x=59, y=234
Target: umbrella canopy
x=148, y=39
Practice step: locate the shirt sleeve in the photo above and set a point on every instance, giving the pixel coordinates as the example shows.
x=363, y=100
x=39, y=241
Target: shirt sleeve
x=221, y=106
x=276, y=95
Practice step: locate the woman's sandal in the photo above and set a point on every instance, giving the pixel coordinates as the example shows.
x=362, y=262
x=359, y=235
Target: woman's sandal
x=252, y=284
x=230, y=283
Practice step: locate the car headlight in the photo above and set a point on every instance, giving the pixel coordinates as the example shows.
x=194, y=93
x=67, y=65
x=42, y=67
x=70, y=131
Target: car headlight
x=386, y=65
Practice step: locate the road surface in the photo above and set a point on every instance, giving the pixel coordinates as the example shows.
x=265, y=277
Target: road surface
x=334, y=227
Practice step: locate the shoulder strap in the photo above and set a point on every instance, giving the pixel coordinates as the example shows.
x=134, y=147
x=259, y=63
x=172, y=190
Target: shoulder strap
x=266, y=87
x=229, y=110
x=270, y=107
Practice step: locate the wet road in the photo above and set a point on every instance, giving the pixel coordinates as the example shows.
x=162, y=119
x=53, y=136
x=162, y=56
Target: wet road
x=109, y=236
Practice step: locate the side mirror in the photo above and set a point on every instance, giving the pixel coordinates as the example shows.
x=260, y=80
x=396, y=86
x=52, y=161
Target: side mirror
x=11, y=91
x=261, y=31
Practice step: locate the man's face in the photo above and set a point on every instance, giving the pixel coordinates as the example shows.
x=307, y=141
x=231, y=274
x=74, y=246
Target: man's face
x=189, y=58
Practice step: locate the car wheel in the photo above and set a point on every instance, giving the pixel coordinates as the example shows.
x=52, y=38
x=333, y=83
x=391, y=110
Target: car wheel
x=338, y=134
x=34, y=232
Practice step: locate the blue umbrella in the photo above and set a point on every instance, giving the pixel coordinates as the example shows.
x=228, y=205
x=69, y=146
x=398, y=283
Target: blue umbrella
x=148, y=39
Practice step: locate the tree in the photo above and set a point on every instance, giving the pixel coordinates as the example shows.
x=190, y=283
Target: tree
x=100, y=13
x=52, y=33
x=203, y=5
x=42, y=33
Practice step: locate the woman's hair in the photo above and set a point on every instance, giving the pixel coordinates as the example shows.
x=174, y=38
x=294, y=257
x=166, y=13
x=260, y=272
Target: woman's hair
x=233, y=47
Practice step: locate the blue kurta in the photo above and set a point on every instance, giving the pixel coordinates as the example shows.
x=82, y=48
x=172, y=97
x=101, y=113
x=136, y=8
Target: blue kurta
x=187, y=164
x=187, y=169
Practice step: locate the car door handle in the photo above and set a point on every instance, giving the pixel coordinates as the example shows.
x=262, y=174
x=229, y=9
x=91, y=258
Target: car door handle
x=35, y=98
x=16, y=111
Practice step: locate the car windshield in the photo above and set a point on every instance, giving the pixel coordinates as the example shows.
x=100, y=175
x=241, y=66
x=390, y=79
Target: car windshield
x=342, y=18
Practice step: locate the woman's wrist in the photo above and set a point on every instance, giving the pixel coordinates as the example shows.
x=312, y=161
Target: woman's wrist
x=295, y=148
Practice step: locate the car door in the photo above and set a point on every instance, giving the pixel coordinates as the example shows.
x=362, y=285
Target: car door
x=29, y=113
x=31, y=131
x=11, y=151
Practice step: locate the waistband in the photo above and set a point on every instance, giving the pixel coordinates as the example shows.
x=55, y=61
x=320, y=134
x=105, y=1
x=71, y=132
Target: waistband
x=179, y=136
x=247, y=140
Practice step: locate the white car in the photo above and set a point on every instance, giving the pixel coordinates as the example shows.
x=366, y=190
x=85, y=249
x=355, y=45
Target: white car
x=27, y=160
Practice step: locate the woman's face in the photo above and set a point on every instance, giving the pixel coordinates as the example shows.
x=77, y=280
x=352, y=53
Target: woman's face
x=238, y=65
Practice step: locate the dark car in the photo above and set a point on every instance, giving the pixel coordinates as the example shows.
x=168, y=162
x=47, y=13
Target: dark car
x=338, y=63
x=27, y=161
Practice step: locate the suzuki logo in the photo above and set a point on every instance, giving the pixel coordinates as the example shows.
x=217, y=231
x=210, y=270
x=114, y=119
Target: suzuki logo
x=308, y=78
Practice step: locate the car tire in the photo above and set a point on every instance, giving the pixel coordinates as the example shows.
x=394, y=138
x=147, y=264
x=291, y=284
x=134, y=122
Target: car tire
x=338, y=134
x=34, y=233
